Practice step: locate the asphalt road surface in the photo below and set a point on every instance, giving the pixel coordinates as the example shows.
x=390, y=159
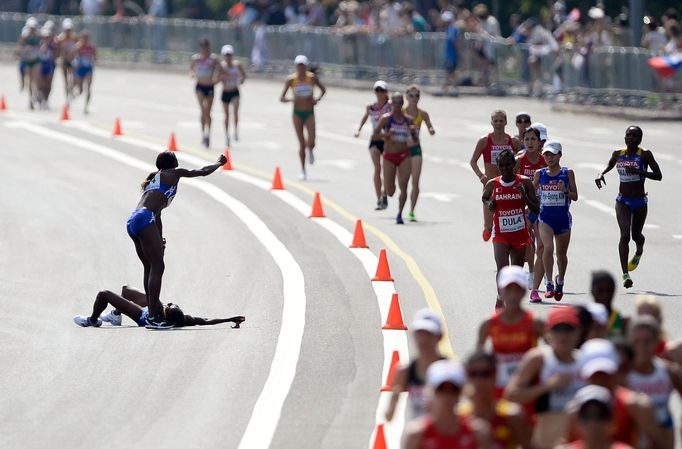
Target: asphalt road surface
x=306, y=368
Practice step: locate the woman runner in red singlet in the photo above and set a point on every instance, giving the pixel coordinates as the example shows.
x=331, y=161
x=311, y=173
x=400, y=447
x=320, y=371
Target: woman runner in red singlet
x=512, y=330
x=527, y=164
x=507, y=197
x=442, y=428
x=490, y=146
x=397, y=131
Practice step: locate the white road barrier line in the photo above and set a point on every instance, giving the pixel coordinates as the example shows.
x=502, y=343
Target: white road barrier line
x=268, y=408
x=393, y=340
x=612, y=211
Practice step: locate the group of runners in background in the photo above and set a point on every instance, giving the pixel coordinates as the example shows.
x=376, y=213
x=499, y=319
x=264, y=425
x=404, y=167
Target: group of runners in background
x=38, y=51
x=585, y=378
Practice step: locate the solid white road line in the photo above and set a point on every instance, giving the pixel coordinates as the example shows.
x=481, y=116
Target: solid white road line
x=393, y=340
x=268, y=407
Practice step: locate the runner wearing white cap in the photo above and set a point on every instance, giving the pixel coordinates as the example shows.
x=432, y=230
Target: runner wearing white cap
x=427, y=332
x=633, y=413
x=512, y=330
x=232, y=75
x=442, y=427
x=28, y=50
x=303, y=83
x=66, y=41
x=374, y=112
x=557, y=188
x=593, y=407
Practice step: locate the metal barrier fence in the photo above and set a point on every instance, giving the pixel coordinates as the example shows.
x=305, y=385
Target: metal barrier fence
x=419, y=58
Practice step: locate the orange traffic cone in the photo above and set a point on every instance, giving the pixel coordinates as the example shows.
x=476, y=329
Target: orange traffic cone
x=379, y=438
x=65, y=113
x=317, y=211
x=383, y=271
x=394, y=321
x=117, y=127
x=3, y=106
x=172, y=146
x=395, y=362
x=277, y=180
x=228, y=164
x=359, y=236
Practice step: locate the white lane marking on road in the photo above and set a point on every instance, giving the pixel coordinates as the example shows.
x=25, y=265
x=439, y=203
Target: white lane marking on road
x=393, y=340
x=439, y=196
x=268, y=408
x=260, y=145
x=677, y=236
x=344, y=164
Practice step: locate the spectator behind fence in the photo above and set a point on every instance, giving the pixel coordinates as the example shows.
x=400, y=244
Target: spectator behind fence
x=91, y=8
x=674, y=44
x=653, y=38
x=158, y=9
x=451, y=50
x=488, y=22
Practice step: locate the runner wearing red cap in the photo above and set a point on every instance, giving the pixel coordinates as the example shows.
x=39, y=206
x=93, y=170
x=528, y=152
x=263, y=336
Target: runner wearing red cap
x=548, y=377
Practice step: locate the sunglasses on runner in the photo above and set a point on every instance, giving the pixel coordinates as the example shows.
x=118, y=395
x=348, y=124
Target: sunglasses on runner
x=480, y=373
x=523, y=120
x=379, y=89
x=447, y=387
x=563, y=328
x=413, y=95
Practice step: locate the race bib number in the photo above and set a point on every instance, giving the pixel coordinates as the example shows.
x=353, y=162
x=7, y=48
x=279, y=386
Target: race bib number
x=506, y=367
x=625, y=176
x=513, y=223
x=303, y=90
x=494, y=154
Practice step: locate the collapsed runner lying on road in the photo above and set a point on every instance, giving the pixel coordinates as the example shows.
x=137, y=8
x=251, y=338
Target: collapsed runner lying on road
x=133, y=304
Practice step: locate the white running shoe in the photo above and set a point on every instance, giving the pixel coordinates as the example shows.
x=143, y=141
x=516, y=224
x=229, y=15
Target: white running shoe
x=112, y=318
x=84, y=321
x=311, y=157
x=302, y=176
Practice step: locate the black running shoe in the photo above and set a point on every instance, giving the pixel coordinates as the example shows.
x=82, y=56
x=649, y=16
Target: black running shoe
x=158, y=323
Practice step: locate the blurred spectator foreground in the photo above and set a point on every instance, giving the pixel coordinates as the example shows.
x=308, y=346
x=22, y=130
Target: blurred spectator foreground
x=576, y=57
